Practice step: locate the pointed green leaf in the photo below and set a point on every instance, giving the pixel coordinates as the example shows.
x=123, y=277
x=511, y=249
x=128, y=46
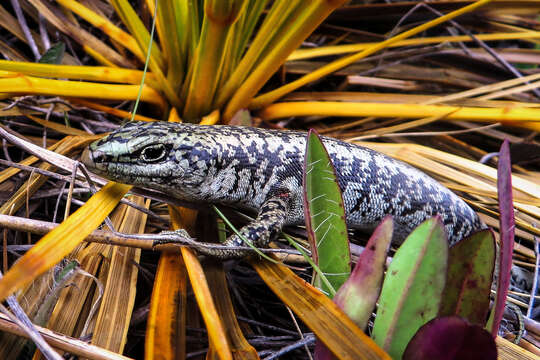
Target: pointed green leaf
x=54, y=55
x=413, y=286
x=325, y=216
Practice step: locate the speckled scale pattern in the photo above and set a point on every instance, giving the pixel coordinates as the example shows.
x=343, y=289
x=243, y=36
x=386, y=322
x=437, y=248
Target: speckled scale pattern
x=250, y=167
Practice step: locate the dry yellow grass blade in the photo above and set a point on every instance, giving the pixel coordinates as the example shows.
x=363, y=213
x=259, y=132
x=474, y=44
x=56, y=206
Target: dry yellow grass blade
x=38, y=86
x=306, y=20
x=403, y=126
x=110, y=110
x=31, y=300
x=398, y=98
x=509, y=116
x=58, y=127
x=491, y=194
x=319, y=313
x=511, y=91
x=216, y=333
x=222, y=298
x=11, y=24
x=138, y=30
x=165, y=329
x=510, y=351
x=114, y=316
x=90, y=73
x=274, y=25
x=211, y=119
x=156, y=62
x=219, y=18
x=114, y=32
x=403, y=150
x=172, y=38
x=265, y=99
x=302, y=54
x=484, y=89
x=91, y=44
x=73, y=312
x=173, y=116
x=62, y=240
x=166, y=326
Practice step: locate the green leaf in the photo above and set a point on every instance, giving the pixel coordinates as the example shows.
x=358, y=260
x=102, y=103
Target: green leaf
x=325, y=216
x=470, y=273
x=54, y=54
x=413, y=286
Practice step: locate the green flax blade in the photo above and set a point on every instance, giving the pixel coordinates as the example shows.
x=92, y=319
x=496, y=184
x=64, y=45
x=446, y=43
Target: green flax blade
x=413, y=286
x=325, y=216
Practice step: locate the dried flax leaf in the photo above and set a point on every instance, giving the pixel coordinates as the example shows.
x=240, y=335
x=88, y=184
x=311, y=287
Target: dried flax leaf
x=71, y=345
x=166, y=326
x=91, y=44
x=113, y=111
x=183, y=218
x=24, y=84
x=112, y=323
x=271, y=96
x=222, y=298
x=62, y=240
x=121, y=37
x=310, y=53
x=216, y=332
x=77, y=72
x=512, y=116
x=319, y=313
x=67, y=130
x=74, y=306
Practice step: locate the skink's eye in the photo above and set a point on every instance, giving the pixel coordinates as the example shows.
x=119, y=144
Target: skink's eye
x=153, y=153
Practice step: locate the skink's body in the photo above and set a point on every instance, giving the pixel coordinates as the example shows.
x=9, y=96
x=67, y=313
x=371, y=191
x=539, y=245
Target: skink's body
x=261, y=170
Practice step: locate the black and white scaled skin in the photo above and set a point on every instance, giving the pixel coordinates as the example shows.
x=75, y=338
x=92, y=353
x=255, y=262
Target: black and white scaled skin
x=261, y=171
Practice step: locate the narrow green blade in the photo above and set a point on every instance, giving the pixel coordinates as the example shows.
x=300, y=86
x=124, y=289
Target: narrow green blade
x=325, y=216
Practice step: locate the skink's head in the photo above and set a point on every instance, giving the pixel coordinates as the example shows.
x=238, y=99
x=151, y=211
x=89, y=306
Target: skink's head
x=156, y=155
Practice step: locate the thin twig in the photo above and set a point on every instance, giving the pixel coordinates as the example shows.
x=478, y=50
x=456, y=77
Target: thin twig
x=159, y=242
x=25, y=28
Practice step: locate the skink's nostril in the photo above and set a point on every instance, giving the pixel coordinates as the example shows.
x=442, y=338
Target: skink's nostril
x=91, y=158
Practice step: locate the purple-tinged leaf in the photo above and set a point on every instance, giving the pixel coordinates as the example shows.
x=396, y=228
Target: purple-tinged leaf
x=451, y=338
x=325, y=217
x=507, y=227
x=470, y=274
x=357, y=297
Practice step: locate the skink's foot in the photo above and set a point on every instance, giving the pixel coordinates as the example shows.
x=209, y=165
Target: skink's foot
x=182, y=237
x=266, y=227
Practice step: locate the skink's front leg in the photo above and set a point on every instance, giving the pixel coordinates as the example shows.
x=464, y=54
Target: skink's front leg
x=266, y=227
